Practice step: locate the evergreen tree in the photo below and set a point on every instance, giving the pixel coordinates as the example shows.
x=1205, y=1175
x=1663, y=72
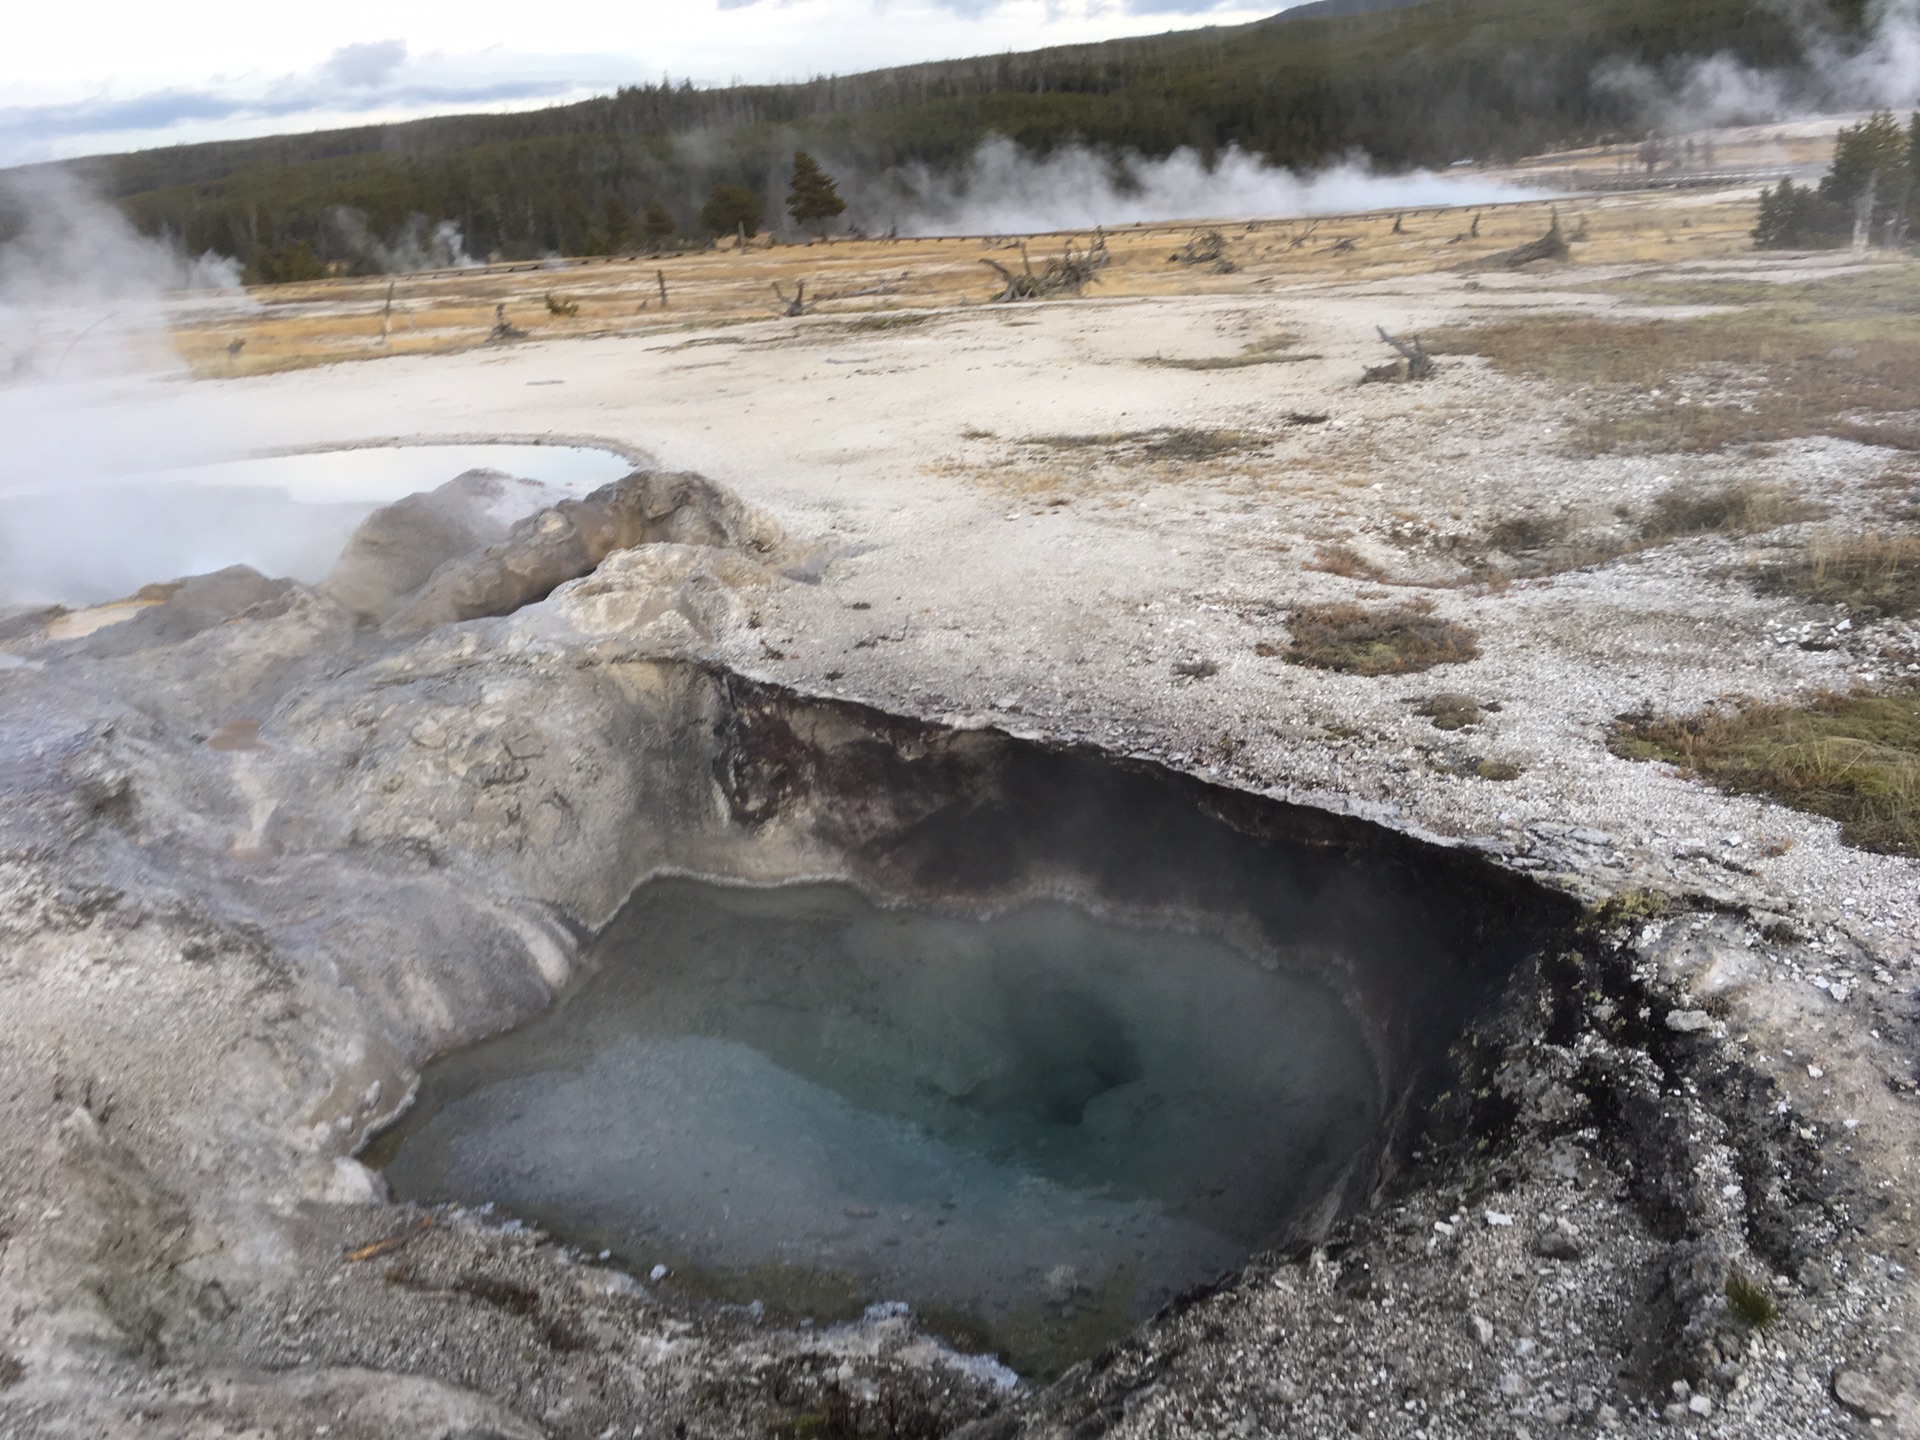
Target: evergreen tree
x=286, y=266
x=1913, y=171
x=659, y=227
x=1875, y=179
x=616, y=223
x=1794, y=217
x=1872, y=153
x=730, y=209
x=812, y=201
x=1871, y=183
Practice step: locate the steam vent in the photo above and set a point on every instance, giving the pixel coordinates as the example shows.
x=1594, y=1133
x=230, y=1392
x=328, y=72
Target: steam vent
x=1209, y=735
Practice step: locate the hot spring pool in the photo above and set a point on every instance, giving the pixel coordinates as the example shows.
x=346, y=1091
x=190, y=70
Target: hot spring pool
x=1035, y=1128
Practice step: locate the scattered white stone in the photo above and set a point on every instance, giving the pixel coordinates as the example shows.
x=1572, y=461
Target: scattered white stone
x=1814, y=1072
x=1688, y=1022
x=1499, y=1219
x=1700, y=1405
x=1482, y=1329
x=658, y=1273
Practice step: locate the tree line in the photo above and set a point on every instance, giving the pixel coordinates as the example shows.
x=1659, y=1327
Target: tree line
x=1870, y=195
x=1420, y=85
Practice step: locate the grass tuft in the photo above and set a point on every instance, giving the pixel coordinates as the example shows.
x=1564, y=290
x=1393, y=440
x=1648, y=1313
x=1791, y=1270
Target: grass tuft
x=1750, y=1301
x=1743, y=509
x=1356, y=640
x=1347, y=563
x=1851, y=758
x=1872, y=574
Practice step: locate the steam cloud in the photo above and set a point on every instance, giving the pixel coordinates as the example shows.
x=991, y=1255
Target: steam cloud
x=89, y=387
x=1884, y=71
x=413, y=247
x=1004, y=190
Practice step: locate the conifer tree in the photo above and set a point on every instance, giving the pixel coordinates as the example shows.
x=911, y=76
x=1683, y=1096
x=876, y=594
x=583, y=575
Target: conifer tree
x=1873, y=188
x=616, y=223
x=659, y=228
x=813, y=202
x=1794, y=217
x=731, y=208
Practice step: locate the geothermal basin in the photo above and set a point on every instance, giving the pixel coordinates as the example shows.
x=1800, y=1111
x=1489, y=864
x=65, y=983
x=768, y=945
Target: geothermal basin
x=1058, y=1040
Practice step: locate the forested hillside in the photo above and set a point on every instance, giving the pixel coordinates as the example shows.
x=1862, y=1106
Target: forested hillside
x=1420, y=84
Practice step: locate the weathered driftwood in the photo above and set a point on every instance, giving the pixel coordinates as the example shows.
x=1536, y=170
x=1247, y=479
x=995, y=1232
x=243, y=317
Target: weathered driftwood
x=503, y=328
x=1071, y=273
x=796, y=307
x=1415, y=363
x=1550, y=246
x=1203, y=247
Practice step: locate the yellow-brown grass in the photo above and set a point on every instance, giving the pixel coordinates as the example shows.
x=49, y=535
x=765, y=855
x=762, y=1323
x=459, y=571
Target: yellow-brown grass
x=1357, y=640
x=1834, y=357
x=886, y=284
x=1853, y=758
x=1872, y=573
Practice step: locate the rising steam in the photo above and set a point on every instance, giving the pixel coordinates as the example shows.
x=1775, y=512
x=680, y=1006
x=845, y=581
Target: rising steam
x=1882, y=71
x=90, y=389
x=413, y=247
x=1004, y=190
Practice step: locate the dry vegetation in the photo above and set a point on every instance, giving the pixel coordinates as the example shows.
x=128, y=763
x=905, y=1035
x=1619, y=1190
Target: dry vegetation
x=1167, y=443
x=1776, y=362
x=1531, y=544
x=1269, y=350
x=881, y=284
x=1872, y=574
x=1356, y=640
x=1852, y=758
x=1743, y=509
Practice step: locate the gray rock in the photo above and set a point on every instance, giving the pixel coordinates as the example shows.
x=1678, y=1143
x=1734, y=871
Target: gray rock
x=1557, y=1244
x=546, y=550
x=398, y=547
x=1861, y=1394
x=1689, y=1022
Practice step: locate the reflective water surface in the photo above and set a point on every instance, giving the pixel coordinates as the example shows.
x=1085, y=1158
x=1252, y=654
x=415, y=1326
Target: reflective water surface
x=1034, y=1128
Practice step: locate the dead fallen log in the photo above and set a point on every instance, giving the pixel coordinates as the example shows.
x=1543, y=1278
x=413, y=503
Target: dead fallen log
x=1550, y=246
x=1203, y=247
x=1414, y=363
x=796, y=307
x=503, y=328
x=1070, y=273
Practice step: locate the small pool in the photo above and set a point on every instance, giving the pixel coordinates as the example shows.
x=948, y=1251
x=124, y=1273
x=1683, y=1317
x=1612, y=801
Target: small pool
x=287, y=515
x=1035, y=1128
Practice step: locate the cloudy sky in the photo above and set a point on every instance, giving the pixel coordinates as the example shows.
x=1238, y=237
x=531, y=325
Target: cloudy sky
x=80, y=79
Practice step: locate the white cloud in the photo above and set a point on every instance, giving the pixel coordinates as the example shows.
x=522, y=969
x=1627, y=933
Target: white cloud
x=368, y=63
